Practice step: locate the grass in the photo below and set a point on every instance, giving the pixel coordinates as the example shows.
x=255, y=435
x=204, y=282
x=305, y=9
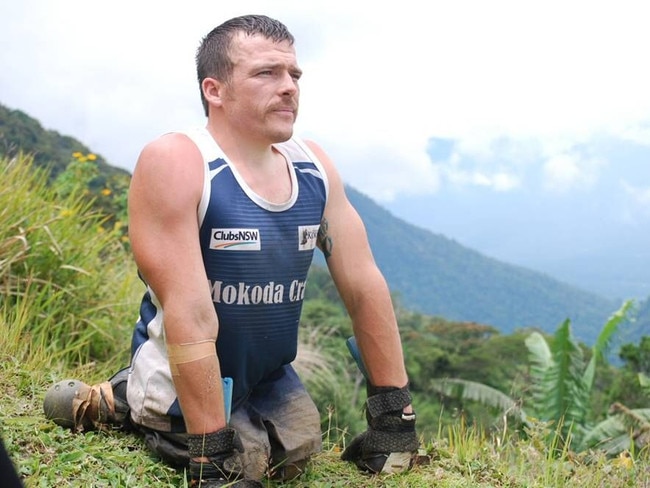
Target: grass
x=68, y=295
x=47, y=455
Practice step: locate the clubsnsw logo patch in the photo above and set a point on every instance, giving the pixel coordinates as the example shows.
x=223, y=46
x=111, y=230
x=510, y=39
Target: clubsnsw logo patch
x=235, y=240
x=307, y=235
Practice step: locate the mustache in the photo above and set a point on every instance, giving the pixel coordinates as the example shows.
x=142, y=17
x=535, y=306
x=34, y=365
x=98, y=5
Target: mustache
x=285, y=106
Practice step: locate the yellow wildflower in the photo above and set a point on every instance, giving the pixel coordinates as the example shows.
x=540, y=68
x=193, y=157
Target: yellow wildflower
x=77, y=155
x=624, y=460
x=91, y=156
x=106, y=192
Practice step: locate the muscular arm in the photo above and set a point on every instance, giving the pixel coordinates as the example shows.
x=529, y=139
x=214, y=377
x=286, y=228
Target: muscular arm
x=164, y=232
x=360, y=283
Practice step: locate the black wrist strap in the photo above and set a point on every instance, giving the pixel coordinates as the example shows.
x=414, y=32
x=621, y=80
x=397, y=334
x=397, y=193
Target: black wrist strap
x=389, y=401
x=207, y=445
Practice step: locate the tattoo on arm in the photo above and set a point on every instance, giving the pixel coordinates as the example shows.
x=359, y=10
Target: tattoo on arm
x=324, y=240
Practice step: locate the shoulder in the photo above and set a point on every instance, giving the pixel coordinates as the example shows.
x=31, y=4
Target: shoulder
x=169, y=148
x=170, y=153
x=172, y=161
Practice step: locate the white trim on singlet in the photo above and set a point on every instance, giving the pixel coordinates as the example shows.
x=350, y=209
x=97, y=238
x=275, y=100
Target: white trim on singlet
x=210, y=151
x=303, y=145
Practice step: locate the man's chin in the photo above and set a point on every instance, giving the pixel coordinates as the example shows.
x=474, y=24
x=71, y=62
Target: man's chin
x=283, y=136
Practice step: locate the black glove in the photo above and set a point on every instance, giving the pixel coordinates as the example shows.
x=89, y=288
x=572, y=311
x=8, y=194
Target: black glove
x=223, y=466
x=390, y=443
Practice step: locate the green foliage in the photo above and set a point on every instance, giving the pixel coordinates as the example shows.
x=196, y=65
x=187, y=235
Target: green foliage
x=626, y=430
x=559, y=392
x=437, y=350
x=637, y=357
x=63, y=277
x=630, y=386
x=77, y=176
x=81, y=178
x=481, y=393
x=561, y=383
x=644, y=381
x=561, y=380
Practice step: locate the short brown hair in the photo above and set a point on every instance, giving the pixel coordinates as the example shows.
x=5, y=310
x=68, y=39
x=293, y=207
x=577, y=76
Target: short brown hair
x=213, y=55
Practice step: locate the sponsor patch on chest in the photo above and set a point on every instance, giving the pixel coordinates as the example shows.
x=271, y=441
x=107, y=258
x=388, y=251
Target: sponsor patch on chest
x=307, y=235
x=235, y=240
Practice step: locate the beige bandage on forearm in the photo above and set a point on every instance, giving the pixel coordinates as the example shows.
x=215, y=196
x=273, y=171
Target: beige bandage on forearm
x=189, y=352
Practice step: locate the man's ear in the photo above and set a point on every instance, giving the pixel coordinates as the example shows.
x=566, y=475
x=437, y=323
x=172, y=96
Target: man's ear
x=212, y=91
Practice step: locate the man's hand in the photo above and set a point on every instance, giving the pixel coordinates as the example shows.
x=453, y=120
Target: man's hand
x=390, y=443
x=214, y=459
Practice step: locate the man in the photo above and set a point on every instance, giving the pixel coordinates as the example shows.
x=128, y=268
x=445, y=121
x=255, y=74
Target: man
x=223, y=223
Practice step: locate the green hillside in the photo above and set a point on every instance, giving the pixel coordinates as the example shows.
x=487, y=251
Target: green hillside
x=428, y=272
x=438, y=276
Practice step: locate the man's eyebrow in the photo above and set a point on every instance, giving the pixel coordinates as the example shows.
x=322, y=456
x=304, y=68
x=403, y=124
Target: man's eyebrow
x=274, y=65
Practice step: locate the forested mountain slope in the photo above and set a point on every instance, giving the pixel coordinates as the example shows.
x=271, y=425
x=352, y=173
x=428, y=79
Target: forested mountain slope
x=437, y=276
x=20, y=132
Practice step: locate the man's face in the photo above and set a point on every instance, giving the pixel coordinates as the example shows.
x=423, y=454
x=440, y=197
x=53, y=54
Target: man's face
x=261, y=99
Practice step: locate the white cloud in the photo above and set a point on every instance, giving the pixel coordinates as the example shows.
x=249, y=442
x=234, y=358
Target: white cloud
x=638, y=133
x=382, y=172
x=499, y=181
x=505, y=182
x=568, y=171
x=542, y=76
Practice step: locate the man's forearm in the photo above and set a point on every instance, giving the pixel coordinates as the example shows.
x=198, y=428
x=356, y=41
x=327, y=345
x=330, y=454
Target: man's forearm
x=200, y=394
x=377, y=334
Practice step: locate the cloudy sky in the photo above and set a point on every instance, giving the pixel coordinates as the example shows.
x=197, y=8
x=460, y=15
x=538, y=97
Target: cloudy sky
x=499, y=124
